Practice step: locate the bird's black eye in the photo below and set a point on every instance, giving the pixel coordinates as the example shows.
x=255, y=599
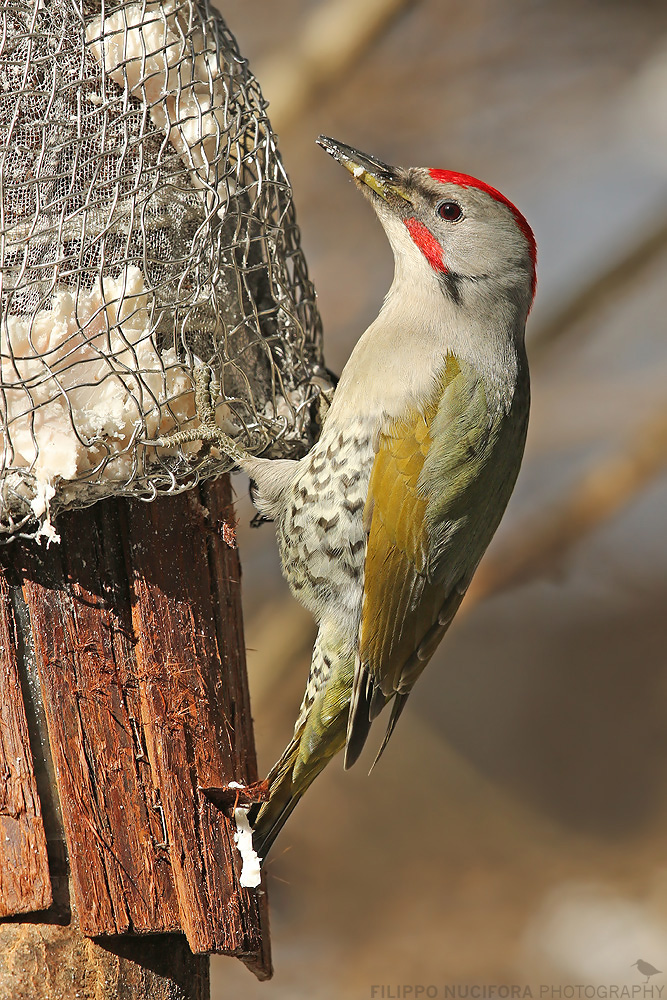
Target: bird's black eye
x=450, y=211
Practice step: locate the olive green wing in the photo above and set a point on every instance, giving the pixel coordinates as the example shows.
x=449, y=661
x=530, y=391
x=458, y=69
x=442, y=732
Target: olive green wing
x=419, y=556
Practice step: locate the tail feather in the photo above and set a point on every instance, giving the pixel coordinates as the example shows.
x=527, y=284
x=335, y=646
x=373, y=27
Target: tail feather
x=267, y=820
x=368, y=700
x=359, y=719
x=396, y=709
x=303, y=759
x=320, y=734
x=297, y=769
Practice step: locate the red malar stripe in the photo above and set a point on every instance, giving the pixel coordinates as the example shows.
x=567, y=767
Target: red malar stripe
x=427, y=243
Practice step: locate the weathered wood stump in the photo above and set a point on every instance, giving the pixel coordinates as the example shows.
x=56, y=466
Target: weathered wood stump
x=123, y=694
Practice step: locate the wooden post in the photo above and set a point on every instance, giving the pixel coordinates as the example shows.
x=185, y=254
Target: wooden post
x=48, y=962
x=128, y=641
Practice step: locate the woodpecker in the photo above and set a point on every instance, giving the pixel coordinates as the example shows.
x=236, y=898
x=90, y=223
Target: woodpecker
x=646, y=969
x=382, y=524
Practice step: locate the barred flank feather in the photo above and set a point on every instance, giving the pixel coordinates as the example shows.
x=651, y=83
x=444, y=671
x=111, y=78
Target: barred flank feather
x=319, y=736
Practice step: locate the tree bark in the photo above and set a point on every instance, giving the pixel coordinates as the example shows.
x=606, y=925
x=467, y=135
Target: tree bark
x=24, y=870
x=129, y=643
x=48, y=962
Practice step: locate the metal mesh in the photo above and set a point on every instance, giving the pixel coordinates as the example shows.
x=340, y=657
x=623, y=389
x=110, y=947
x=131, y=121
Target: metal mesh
x=146, y=231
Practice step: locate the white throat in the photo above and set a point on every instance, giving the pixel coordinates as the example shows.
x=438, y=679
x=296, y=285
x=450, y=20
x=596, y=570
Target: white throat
x=397, y=362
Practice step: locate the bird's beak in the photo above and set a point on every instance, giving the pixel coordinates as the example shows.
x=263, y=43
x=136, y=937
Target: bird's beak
x=385, y=181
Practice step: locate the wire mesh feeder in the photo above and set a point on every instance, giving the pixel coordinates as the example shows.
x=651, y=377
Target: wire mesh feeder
x=147, y=233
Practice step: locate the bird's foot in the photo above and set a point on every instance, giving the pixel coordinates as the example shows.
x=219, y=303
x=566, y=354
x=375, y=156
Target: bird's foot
x=207, y=390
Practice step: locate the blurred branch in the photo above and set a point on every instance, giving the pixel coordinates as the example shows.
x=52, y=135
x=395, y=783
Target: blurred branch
x=599, y=291
x=602, y=492
x=333, y=36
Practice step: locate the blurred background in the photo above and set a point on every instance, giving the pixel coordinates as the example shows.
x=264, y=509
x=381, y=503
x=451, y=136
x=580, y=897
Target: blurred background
x=515, y=830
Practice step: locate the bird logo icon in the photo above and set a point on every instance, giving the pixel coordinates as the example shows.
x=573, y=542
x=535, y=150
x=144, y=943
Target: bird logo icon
x=646, y=969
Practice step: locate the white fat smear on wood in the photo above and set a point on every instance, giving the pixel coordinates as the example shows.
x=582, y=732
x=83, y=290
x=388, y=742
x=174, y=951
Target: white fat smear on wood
x=151, y=50
x=40, y=504
x=250, y=872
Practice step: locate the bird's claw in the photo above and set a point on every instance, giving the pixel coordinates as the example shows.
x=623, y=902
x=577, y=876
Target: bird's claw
x=235, y=795
x=207, y=390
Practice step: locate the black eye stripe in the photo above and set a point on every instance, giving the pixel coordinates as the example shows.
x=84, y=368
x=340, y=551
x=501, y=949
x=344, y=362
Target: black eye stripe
x=450, y=211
